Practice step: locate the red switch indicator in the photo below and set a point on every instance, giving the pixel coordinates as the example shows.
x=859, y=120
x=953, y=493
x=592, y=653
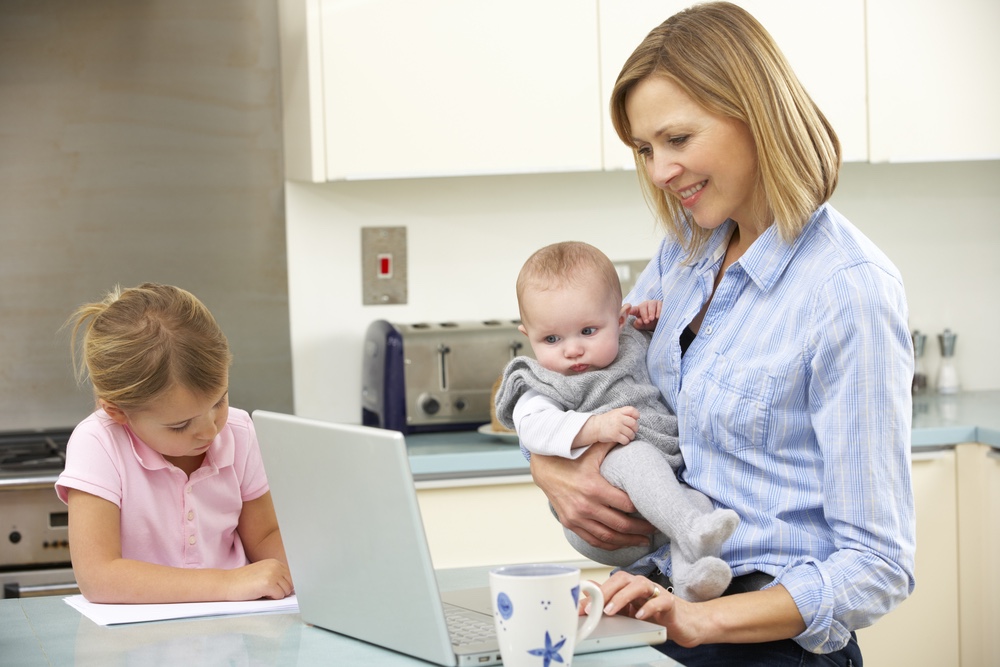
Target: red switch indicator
x=384, y=265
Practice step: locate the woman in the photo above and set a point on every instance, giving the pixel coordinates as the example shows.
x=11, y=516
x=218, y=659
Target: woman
x=782, y=347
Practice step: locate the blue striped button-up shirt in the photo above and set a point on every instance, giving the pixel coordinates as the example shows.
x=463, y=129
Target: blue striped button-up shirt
x=794, y=409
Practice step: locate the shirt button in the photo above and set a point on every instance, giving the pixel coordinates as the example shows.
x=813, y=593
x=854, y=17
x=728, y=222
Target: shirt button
x=708, y=330
x=191, y=515
x=192, y=540
x=187, y=489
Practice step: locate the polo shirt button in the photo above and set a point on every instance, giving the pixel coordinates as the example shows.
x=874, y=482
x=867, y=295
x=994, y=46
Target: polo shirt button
x=190, y=515
x=192, y=540
x=187, y=489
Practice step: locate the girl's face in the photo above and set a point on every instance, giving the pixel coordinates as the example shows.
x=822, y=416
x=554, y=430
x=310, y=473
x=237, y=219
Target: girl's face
x=706, y=161
x=179, y=423
x=573, y=329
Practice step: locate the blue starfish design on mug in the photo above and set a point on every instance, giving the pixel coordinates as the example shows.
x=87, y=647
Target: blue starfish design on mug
x=504, y=606
x=550, y=653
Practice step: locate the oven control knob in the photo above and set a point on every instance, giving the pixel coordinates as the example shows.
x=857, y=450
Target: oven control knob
x=14, y=537
x=429, y=405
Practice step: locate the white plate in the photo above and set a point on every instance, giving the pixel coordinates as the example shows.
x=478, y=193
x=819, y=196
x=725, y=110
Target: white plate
x=487, y=429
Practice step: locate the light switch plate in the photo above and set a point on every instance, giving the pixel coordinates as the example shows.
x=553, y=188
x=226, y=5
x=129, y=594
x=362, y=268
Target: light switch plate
x=383, y=265
x=628, y=271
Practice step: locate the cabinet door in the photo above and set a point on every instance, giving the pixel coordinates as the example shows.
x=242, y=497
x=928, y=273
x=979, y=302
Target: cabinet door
x=923, y=630
x=499, y=521
x=834, y=74
x=979, y=584
x=453, y=87
x=934, y=80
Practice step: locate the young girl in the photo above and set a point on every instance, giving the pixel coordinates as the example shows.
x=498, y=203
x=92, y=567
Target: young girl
x=168, y=500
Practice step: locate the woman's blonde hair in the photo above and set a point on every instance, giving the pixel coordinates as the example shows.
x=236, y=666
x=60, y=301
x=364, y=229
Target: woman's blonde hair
x=141, y=341
x=725, y=60
x=565, y=263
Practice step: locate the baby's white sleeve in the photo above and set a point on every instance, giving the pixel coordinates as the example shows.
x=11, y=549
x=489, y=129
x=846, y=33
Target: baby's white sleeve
x=543, y=427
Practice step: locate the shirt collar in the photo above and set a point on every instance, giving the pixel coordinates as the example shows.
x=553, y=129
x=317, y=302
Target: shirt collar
x=767, y=257
x=221, y=454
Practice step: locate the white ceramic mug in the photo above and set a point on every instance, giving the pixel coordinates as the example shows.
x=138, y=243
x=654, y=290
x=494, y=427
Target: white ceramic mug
x=535, y=612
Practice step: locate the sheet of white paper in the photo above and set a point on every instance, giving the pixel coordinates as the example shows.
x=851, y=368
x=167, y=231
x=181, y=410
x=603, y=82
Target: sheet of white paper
x=114, y=614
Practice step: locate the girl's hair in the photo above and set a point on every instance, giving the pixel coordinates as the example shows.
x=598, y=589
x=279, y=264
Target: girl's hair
x=727, y=62
x=138, y=342
x=564, y=263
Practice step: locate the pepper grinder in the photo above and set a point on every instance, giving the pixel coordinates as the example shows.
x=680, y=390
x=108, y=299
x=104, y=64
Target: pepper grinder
x=947, y=380
x=919, y=371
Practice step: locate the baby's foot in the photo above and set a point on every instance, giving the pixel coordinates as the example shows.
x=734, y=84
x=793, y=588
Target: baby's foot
x=705, y=579
x=709, y=531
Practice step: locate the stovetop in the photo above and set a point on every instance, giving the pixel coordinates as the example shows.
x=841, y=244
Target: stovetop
x=33, y=453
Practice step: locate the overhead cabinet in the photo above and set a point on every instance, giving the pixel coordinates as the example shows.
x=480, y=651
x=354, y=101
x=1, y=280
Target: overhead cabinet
x=934, y=80
x=833, y=75
x=443, y=87
x=377, y=89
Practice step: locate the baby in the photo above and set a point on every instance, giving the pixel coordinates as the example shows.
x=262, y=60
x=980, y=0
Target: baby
x=587, y=384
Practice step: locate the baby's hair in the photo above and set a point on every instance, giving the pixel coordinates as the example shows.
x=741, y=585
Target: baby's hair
x=563, y=264
x=141, y=341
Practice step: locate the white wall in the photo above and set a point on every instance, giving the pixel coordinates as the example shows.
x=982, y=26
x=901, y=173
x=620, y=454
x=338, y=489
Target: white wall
x=468, y=237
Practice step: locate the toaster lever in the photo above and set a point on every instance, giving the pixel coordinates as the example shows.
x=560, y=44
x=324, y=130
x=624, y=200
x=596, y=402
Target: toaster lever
x=443, y=351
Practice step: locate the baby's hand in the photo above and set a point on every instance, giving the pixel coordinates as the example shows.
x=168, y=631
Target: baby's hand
x=618, y=425
x=267, y=578
x=646, y=314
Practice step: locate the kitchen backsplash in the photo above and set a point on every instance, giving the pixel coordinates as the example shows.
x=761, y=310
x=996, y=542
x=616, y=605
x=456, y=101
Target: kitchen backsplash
x=468, y=237
x=139, y=143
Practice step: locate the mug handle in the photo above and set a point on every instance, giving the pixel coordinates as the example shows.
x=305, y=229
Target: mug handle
x=595, y=613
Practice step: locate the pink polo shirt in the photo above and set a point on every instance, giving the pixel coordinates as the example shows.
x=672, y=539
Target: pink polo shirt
x=166, y=517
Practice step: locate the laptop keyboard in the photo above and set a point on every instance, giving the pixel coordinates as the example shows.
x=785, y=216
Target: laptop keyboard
x=468, y=627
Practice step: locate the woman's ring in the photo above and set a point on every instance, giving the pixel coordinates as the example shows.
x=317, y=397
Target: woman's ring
x=656, y=591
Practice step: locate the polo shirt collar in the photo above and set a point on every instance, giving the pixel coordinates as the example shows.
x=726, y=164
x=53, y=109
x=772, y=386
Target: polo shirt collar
x=221, y=454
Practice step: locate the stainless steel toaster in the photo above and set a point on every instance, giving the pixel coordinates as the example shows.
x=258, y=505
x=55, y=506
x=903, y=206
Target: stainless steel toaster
x=435, y=376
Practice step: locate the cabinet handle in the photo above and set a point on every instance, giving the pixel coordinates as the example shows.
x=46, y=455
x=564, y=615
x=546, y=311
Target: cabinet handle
x=932, y=455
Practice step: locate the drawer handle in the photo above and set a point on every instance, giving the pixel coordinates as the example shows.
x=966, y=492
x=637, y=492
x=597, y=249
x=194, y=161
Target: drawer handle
x=15, y=590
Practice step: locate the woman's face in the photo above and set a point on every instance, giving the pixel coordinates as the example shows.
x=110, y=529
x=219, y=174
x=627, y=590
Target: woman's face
x=706, y=161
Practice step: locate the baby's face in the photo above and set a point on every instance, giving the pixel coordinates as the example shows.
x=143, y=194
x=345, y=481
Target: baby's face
x=573, y=329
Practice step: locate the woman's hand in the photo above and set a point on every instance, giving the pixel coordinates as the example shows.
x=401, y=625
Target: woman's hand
x=746, y=618
x=640, y=598
x=586, y=503
x=268, y=578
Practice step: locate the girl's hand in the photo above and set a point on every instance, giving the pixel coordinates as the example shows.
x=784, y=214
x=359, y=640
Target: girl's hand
x=268, y=578
x=586, y=503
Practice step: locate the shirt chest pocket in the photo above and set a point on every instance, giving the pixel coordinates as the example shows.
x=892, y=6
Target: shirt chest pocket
x=735, y=405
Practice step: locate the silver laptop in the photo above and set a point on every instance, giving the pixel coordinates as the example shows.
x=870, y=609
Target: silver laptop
x=353, y=534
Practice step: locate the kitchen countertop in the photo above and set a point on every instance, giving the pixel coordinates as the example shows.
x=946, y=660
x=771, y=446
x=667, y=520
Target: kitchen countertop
x=47, y=631
x=938, y=421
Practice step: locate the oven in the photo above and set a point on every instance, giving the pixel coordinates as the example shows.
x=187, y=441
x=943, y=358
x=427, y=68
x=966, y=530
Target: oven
x=34, y=523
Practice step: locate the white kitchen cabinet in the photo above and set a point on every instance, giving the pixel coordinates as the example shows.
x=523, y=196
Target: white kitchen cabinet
x=397, y=89
x=979, y=581
x=440, y=87
x=934, y=80
x=489, y=521
x=924, y=629
x=833, y=74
